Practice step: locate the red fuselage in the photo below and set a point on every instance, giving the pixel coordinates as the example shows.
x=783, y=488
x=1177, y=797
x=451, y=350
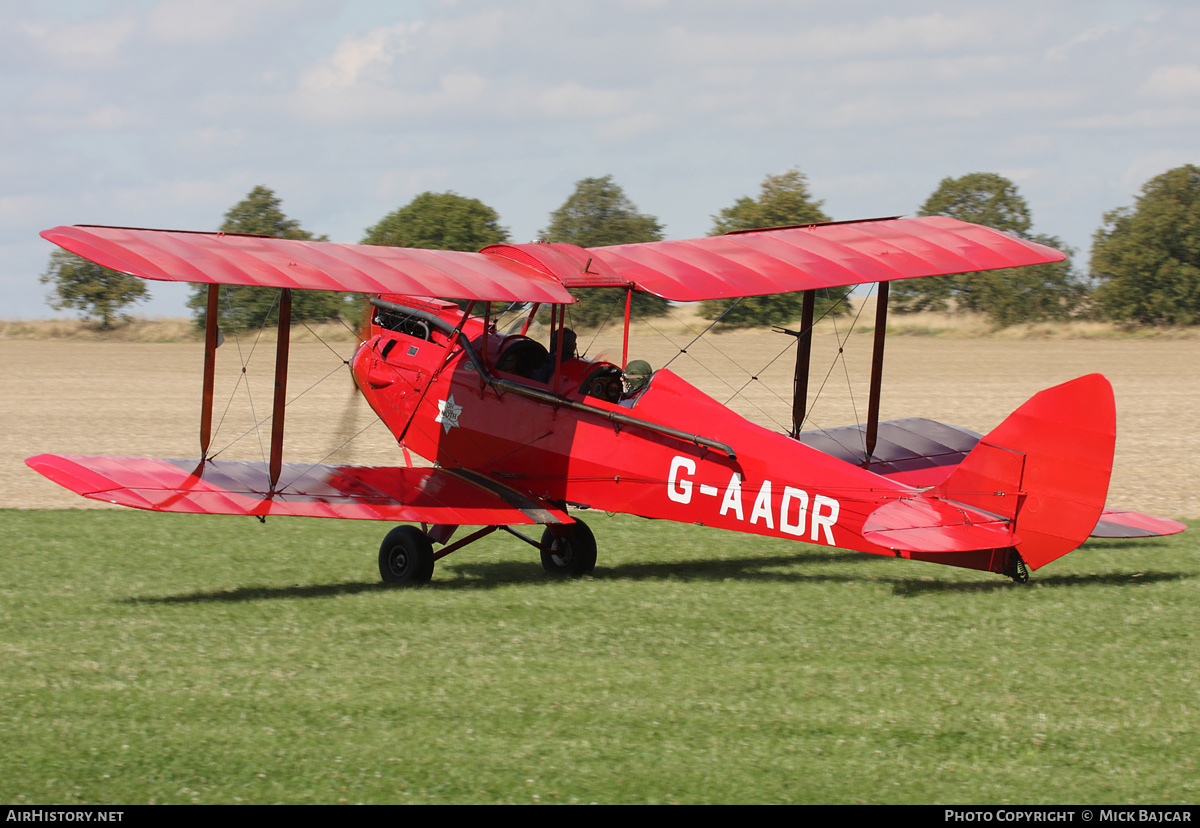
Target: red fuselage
x=560, y=444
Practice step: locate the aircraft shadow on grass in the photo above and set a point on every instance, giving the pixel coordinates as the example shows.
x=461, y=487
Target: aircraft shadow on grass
x=485, y=576
x=778, y=569
x=910, y=588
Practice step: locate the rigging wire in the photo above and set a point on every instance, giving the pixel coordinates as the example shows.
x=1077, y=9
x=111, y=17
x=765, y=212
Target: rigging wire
x=704, y=364
x=259, y=423
x=701, y=363
x=839, y=357
x=753, y=376
x=245, y=362
x=256, y=428
x=599, y=328
x=684, y=350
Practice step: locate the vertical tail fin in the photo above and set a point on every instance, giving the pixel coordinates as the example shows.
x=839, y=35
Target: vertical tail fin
x=1046, y=468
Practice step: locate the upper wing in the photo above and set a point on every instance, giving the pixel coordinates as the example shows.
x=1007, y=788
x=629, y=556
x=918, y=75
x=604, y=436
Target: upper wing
x=825, y=255
x=231, y=487
x=231, y=259
x=736, y=264
x=785, y=259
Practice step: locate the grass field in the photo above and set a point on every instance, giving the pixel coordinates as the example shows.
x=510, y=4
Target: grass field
x=177, y=659
x=173, y=658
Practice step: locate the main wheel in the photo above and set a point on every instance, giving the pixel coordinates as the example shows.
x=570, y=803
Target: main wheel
x=406, y=556
x=569, y=556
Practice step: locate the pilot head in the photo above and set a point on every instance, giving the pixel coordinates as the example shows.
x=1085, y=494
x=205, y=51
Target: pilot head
x=637, y=374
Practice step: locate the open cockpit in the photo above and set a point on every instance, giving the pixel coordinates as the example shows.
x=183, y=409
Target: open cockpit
x=554, y=367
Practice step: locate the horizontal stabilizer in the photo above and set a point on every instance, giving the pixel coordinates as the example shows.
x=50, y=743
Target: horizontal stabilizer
x=233, y=487
x=1122, y=524
x=926, y=524
x=914, y=451
x=923, y=453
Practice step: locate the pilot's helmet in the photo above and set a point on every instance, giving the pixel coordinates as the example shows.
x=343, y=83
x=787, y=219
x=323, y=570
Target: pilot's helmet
x=637, y=374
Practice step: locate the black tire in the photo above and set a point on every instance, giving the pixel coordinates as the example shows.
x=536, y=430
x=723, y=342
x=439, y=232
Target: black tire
x=406, y=556
x=570, y=556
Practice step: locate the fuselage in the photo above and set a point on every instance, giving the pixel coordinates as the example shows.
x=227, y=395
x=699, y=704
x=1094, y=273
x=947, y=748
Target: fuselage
x=573, y=437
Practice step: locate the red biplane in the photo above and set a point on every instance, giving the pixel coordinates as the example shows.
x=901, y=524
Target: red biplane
x=525, y=433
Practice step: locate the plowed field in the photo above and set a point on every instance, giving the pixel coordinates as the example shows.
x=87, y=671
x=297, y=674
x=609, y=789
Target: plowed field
x=144, y=399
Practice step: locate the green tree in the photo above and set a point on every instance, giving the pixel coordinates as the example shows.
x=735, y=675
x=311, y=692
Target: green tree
x=1147, y=257
x=261, y=213
x=598, y=214
x=783, y=200
x=1021, y=294
x=439, y=221
x=95, y=291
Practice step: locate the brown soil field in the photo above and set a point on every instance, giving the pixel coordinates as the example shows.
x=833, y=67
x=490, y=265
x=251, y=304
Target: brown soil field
x=69, y=396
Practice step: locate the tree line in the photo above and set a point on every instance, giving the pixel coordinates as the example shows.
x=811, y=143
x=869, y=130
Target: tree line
x=1145, y=258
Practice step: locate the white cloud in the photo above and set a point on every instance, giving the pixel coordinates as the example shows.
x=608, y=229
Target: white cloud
x=1178, y=81
x=1150, y=163
x=92, y=45
x=573, y=100
x=104, y=118
x=17, y=209
x=1061, y=51
x=359, y=59
x=754, y=40
x=630, y=127
x=1129, y=120
x=201, y=21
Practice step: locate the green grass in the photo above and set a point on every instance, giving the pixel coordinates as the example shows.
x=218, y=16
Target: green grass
x=174, y=658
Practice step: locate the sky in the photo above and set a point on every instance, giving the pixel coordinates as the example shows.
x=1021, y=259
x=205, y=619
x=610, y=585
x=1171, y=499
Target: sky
x=166, y=113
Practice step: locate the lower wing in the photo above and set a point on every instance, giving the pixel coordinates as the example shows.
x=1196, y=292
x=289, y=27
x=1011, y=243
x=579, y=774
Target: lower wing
x=233, y=487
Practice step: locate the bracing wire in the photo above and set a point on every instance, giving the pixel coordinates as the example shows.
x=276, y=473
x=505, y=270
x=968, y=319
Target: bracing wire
x=244, y=376
x=833, y=365
x=611, y=310
x=756, y=375
x=684, y=349
x=258, y=423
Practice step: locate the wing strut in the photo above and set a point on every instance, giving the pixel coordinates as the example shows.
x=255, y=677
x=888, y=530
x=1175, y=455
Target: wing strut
x=881, y=309
x=625, y=343
x=803, y=360
x=281, y=367
x=210, y=367
x=211, y=336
